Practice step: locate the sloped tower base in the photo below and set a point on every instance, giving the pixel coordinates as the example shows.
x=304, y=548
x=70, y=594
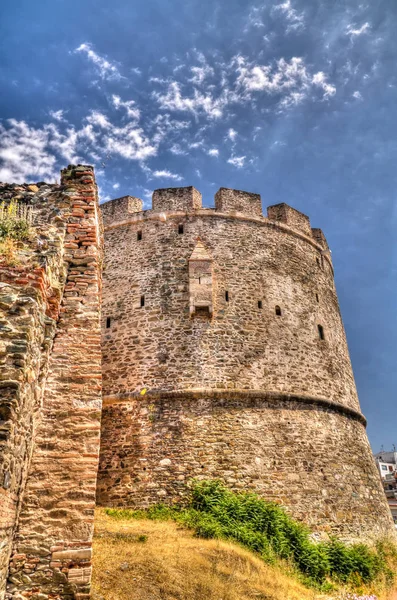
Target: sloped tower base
x=268, y=443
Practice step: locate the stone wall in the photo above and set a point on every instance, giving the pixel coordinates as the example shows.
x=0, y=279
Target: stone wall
x=50, y=411
x=311, y=458
x=258, y=391
x=244, y=345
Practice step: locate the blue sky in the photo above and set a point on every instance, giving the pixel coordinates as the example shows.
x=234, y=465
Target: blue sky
x=295, y=100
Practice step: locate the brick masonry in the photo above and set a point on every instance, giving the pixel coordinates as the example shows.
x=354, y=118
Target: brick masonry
x=51, y=378
x=246, y=390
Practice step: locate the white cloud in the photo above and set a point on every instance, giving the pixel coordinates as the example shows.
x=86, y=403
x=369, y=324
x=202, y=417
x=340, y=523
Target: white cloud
x=177, y=149
x=57, y=115
x=165, y=174
x=197, y=104
x=254, y=19
x=357, y=95
x=201, y=73
x=116, y=186
x=292, y=80
x=65, y=144
x=24, y=153
x=320, y=80
x=130, y=142
x=295, y=20
x=105, y=68
x=237, y=161
x=133, y=111
x=355, y=32
x=98, y=118
x=213, y=152
x=238, y=81
x=232, y=134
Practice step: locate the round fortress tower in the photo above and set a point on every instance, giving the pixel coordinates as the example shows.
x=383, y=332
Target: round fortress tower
x=225, y=356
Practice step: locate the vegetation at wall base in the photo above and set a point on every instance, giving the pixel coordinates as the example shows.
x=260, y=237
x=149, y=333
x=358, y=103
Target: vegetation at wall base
x=216, y=512
x=15, y=228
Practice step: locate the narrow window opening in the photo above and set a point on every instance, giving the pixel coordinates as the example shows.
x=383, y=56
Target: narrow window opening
x=259, y=303
x=139, y=235
x=321, y=332
x=227, y=296
x=142, y=301
x=180, y=228
x=278, y=311
x=318, y=262
x=108, y=322
x=317, y=298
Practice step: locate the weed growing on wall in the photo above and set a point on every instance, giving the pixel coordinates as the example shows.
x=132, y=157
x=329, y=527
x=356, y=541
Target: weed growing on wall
x=265, y=528
x=15, y=228
x=15, y=221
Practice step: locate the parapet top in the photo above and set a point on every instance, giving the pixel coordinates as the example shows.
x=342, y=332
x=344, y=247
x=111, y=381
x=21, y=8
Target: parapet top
x=229, y=201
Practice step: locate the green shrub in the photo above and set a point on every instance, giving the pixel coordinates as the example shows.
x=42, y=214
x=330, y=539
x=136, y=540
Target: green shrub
x=265, y=528
x=15, y=221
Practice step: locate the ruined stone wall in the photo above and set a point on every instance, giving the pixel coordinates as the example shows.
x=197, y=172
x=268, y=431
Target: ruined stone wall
x=51, y=400
x=248, y=392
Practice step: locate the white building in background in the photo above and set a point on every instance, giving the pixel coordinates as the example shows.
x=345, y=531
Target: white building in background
x=387, y=465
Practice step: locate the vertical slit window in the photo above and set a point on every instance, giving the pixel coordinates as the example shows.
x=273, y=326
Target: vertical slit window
x=317, y=298
x=180, y=228
x=108, y=322
x=142, y=301
x=278, y=311
x=260, y=304
x=227, y=296
x=321, y=332
x=139, y=235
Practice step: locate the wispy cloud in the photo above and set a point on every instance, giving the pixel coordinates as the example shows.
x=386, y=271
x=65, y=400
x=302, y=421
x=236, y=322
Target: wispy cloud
x=213, y=152
x=105, y=68
x=165, y=174
x=130, y=107
x=24, y=153
x=294, y=19
x=354, y=32
x=177, y=150
x=237, y=161
x=57, y=115
x=199, y=74
x=198, y=103
x=292, y=80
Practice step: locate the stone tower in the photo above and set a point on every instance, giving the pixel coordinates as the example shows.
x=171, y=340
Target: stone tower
x=225, y=356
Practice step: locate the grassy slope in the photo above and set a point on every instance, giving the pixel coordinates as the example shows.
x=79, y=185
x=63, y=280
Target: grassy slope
x=170, y=564
x=173, y=565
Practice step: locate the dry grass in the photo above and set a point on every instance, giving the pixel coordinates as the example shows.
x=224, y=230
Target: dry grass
x=159, y=560
x=173, y=565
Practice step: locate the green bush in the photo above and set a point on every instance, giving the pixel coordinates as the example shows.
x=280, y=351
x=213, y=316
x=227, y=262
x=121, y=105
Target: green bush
x=15, y=221
x=264, y=527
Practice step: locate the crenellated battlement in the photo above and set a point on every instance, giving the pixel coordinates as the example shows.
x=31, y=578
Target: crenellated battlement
x=234, y=203
x=230, y=201
x=120, y=209
x=182, y=198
